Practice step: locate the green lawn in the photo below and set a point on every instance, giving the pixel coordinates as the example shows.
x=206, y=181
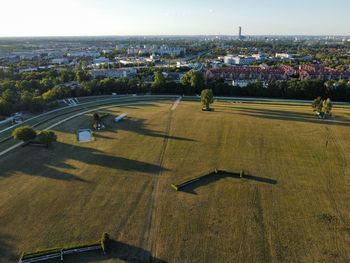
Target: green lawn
x=294, y=207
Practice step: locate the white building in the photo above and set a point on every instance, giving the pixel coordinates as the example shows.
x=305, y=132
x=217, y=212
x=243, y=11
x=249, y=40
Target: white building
x=114, y=73
x=259, y=57
x=163, y=50
x=238, y=60
x=101, y=60
x=83, y=54
x=60, y=61
x=242, y=83
x=284, y=55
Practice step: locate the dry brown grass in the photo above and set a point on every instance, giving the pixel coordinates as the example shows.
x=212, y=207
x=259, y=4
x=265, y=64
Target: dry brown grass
x=74, y=192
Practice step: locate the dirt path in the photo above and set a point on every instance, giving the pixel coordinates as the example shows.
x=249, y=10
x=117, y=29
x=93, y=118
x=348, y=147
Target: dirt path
x=150, y=228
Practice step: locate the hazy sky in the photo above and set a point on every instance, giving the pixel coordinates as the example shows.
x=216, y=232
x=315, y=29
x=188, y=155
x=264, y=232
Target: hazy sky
x=169, y=17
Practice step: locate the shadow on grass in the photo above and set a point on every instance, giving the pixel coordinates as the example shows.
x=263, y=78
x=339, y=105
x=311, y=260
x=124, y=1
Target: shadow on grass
x=50, y=162
x=138, y=126
x=118, y=250
x=6, y=249
x=291, y=116
x=99, y=135
x=214, y=177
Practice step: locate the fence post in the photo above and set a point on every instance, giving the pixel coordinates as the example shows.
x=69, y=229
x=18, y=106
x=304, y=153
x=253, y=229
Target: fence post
x=61, y=254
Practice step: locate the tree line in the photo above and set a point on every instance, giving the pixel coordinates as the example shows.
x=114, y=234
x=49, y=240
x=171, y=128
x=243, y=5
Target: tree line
x=38, y=91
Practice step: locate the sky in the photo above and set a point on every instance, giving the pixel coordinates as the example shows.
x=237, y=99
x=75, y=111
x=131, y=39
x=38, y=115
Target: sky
x=173, y=17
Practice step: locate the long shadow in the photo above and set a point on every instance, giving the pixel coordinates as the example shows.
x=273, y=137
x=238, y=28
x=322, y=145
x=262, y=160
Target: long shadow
x=98, y=135
x=6, y=250
x=260, y=179
x=215, y=177
x=118, y=250
x=135, y=125
x=47, y=162
x=138, y=125
x=291, y=116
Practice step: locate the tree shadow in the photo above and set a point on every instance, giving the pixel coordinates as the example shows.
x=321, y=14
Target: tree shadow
x=291, y=116
x=47, y=162
x=138, y=125
x=118, y=250
x=6, y=250
x=214, y=177
x=98, y=135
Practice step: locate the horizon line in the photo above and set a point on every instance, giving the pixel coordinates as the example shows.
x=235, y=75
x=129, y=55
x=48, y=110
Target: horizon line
x=179, y=35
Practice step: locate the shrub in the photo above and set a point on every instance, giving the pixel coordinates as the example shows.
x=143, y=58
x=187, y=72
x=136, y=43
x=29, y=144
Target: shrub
x=105, y=242
x=24, y=133
x=47, y=137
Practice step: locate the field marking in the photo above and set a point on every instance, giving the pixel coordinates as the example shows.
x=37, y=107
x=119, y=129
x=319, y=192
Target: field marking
x=150, y=230
x=70, y=118
x=176, y=103
x=11, y=148
x=60, y=109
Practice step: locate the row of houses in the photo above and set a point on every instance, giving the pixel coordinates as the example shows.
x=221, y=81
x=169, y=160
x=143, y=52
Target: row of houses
x=322, y=73
x=242, y=76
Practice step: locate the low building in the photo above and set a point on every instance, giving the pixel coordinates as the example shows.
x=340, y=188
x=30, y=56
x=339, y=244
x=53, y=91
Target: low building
x=80, y=54
x=243, y=83
x=284, y=55
x=114, y=73
x=239, y=60
x=28, y=69
x=60, y=61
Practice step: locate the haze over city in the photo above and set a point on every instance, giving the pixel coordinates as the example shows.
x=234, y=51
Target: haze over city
x=165, y=17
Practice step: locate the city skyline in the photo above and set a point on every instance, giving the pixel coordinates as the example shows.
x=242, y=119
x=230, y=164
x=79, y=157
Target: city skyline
x=223, y=17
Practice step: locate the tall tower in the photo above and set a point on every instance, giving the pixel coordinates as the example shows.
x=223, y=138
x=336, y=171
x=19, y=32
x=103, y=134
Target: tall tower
x=240, y=32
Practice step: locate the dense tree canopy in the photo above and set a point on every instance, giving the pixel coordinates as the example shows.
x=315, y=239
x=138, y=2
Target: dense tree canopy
x=47, y=137
x=38, y=91
x=24, y=133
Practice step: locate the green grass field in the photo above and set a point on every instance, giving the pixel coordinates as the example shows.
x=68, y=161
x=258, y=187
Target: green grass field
x=293, y=208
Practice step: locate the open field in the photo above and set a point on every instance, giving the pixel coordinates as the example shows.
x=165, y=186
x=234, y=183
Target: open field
x=294, y=207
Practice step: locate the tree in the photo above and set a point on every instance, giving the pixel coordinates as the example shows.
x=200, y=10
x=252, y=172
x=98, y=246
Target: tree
x=5, y=107
x=24, y=133
x=207, y=98
x=317, y=105
x=47, y=137
x=66, y=76
x=159, y=79
x=327, y=107
x=96, y=120
x=194, y=79
x=323, y=108
x=82, y=75
x=105, y=242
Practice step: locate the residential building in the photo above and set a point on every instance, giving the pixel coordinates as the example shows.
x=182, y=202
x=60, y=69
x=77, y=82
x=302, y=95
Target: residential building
x=238, y=60
x=245, y=75
x=284, y=55
x=320, y=72
x=114, y=73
